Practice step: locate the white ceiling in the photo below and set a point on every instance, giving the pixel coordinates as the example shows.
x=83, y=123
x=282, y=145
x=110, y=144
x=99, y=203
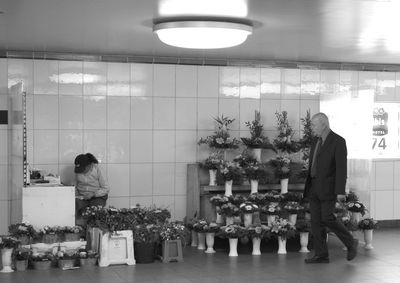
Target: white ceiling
x=359, y=31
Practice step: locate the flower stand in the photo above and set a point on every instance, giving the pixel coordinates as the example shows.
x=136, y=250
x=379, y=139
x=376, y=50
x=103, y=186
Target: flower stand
x=368, y=239
x=233, y=247
x=116, y=248
x=229, y=220
x=304, y=242
x=201, y=241
x=193, y=239
x=21, y=265
x=253, y=186
x=213, y=177
x=247, y=219
x=6, y=260
x=284, y=186
x=256, y=246
x=271, y=218
x=281, y=245
x=228, y=188
x=257, y=154
x=171, y=251
x=210, y=243
x=292, y=218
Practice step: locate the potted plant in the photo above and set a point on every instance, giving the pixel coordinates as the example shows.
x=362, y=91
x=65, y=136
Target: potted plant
x=303, y=226
x=87, y=258
x=200, y=227
x=50, y=235
x=172, y=236
x=21, y=256
x=229, y=210
x=282, y=229
x=284, y=142
x=217, y=201
x=257, y=232
x=282, y=171
x=42, y=261
x=67, y=259
x=7, y=245
x=305, y=144
x=230, y=172
x=212, y=164
x=72, y=233
x=368, y=225
x=221, y=138
x=247, y=209
x=145, y=239
x=357, y=210
x=233, y=233
x=22, y=231
x=254, y=172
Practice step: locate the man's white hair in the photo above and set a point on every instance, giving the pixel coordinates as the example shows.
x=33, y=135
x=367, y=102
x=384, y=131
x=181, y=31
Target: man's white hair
x=322, y=118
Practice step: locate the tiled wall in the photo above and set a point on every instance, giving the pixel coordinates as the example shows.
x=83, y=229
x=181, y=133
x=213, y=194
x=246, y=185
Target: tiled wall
x=143, y=121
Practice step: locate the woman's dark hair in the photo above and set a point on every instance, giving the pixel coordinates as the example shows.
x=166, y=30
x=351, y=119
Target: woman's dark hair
x=91, y=158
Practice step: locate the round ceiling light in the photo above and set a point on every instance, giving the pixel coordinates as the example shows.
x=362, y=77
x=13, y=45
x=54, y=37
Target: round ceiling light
x=202, y=34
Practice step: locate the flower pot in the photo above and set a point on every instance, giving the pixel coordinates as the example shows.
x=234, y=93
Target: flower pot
x=257, y=154
x=368, y=239
x=50, y=238
x=253, y=186
x=66, y=263
x=42, y=265
x=233, y=247
x=228, y=188
x=201, y=241
x=213, y=177
x=271, y=218
x=71, y=237
x=292, y=218
x=87, y=262
x=144, y=252
x=21, y=265
x=247, y=219
x=256, y=246
x=304, y=242
x=210, y=243
x=229, y=220
x=284, y=186
x=194, y=239
x=281, y=245
x=219, y=219
x=6, y=260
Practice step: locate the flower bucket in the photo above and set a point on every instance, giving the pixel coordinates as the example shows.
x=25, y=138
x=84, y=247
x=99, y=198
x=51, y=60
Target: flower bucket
x=42, y=265
x=21, y=265
x=253, y=186
x=6, y=260
x=256, y=246
x=247, y=219
x=87, y=262
x=292, y=218
x=213, y=177
x=71, y=237
x=284, y=186
x=210, y=243
x=228, y=188
x=219, y=219
x=368, y=233
x=257, y=154
x=201, y=241
x=281, y=245
x=304, y=242
x=144, y=252
x=194, y=239
x=50, y=238
x=233, y=247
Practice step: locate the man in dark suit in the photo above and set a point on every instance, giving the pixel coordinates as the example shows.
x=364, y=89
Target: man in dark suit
x=325, y=183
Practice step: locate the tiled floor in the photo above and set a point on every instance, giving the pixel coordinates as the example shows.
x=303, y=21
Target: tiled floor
x=382, y=264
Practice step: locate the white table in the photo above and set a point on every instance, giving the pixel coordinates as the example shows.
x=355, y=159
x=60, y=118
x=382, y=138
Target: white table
x=48, y=205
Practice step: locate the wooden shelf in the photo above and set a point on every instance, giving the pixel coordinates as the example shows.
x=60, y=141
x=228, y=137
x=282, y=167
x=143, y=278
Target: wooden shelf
x=204, y=189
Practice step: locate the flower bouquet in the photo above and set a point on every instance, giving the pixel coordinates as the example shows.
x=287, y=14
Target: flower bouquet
x=146, y=233
x=218, y=200
x=293, y=207
x=271, y=208
x=21, y=256
x=281, y=166
x=283, y=228
x=351, y=196
x=213, y=161
x=273, y=196
x=230, y=171
x=303, y=225
x=221, y=138
x=199, y=225
x=248, y=207
x=244, y=159
x=22, y=231
x=257, y=138
x=258, y=231
x=356, y=206
x=368, y=224
x=8, y=242
x=212, y=227
x=257, y=198
x=229, y=210
x=173, y=231
x=291, y=196
x=255, y=171
x=232, y=231
x=284, y=141
x=237, y=199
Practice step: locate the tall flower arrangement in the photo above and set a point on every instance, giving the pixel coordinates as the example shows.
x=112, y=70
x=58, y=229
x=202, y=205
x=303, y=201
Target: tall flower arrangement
x=213, y=161
x=221, y=138
x=230, y=171
x=257, y=138
x=281, y=166
x=305, y=143
x=284, y=142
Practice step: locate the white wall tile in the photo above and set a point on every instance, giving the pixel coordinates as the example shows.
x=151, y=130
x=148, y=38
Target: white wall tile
x=118, y=79
x=141, y=80
x=384, y=175
x=118, y=113
x=4, y=182
x=94, y=78
x=247, y=108
x=290, y=83
x=250, y=83
x=70, y=79
x=230, y=108
x=229, y=82
x=268, y=109
x=141, y=179
x=167, y=202
x=396, y=173
x=95, y=142
x=71, y=144
x=180, y=208
x=4, y=147
x=141, y=113
x=142, y=201
x=180, y=178
x=186, y=113
x=186, y=144
x=384, y=205
x=21, y=70
x=45, y=76
x=207, y=109
x=67, y=175
x=94, y=112
x=164, y=146
x=164, y=113
x=186, y=81
x=203, y=151
x=118, y=178
x=118, y=144
x=3, y=76
x=208, y=81
x=4, y=216
x=46, y=112
x=118, y=202
x=164, y=80
x=71, y=112
x=310, y=84
x=164, y=179
x=45, y=147
x=141, y=146
x=270, y=83
x=396, y=204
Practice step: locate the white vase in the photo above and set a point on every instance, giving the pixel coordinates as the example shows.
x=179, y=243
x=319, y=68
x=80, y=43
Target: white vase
x=247, y=219
x=355, y=217
x=6, y=260
x=201, y=241
x=304, y=242
x=281, y=245
x=256, y=246
x=229, y=220
x=213, y=177
x=307, y=216
x=271, y=218
x=237, y=219
x=292, y=218
x=254, y=186
x=284, y=186
x=219, y=219
x=368, y=239
x=257, y=154
x=228, y=188
x=233, y=247
x=210, y=243
x=194, y=239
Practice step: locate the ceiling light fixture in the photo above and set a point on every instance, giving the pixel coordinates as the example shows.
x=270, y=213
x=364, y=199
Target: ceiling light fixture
x=202, y=34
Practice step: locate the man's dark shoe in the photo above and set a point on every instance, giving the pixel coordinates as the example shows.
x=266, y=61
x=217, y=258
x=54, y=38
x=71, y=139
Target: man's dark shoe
x=317, y=259
x=352, y=251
